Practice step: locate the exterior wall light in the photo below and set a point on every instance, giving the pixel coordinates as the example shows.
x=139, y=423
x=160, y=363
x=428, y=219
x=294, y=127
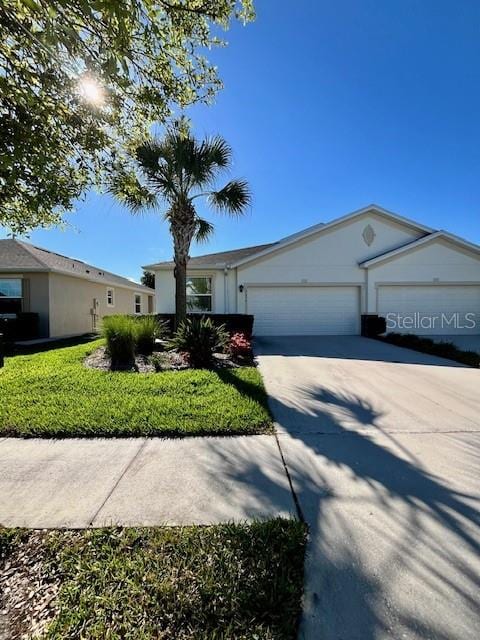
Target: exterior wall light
x=241, y=288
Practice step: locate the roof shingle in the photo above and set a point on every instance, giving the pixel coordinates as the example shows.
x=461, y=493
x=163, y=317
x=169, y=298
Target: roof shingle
x=221, y=259
x=16, y=254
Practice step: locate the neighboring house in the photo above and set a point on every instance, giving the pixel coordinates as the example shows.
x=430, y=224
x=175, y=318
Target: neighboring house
x=70, y=296
x=321, y=280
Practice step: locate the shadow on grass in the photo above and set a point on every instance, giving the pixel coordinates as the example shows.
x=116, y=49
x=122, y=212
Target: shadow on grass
x=12, y=349
x=246, y=388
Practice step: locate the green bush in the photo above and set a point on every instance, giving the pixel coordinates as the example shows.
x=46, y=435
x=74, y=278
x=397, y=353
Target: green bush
x=442, y=349
x=147, y=329
x=200, y=339
x=120, y=333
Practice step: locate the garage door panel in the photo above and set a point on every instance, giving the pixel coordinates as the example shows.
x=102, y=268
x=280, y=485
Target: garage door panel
x=433, y=310
x=304, y=310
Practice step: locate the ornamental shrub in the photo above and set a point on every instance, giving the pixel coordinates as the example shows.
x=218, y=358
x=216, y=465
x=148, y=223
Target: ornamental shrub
x=119, y=333
x=200, y=339
x=147, y=330
x=240, y=347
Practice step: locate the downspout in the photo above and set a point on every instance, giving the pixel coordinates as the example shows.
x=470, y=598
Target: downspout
x=226, y=305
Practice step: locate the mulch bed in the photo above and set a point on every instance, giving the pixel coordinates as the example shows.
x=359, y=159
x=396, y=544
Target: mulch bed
x=158, y=361
x=27, y=589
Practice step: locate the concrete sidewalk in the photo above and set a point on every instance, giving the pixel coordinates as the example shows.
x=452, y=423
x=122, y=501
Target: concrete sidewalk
x=81, y=483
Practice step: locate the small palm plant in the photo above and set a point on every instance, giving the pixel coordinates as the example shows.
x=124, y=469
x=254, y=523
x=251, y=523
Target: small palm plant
x=176, y=171
x=201, y=339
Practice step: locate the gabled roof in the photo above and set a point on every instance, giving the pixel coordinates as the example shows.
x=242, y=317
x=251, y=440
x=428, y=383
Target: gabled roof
x=320, y=228
x=214, y=260
x=239, y=257
x=18, y=256
x=411, y=246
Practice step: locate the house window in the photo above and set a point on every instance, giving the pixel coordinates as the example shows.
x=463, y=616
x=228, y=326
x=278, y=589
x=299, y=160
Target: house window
x=110, y=297
x=10, y=295
x=138, y=303
x=150, y=304
x=199, y=294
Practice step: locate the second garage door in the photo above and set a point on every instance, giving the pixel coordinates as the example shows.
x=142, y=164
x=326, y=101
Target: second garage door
x=435, y=310
x=284, y=311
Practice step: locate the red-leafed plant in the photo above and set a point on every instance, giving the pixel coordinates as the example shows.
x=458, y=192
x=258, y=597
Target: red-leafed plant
x=240, y=347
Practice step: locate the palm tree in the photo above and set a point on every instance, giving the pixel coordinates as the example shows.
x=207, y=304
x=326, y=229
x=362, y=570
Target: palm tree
x=175, y=171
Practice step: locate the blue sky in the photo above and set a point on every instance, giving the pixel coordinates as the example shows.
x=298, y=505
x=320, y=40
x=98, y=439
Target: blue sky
x=328, y=106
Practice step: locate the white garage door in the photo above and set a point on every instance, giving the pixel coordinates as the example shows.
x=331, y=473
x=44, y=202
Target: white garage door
x=431, y=310
x=284, y=311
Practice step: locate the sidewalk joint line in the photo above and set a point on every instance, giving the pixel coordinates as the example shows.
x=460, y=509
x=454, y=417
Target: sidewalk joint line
x=296, y=501
x=121, y=476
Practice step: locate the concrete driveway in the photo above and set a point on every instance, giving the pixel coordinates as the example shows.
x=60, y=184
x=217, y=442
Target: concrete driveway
x=382, y=445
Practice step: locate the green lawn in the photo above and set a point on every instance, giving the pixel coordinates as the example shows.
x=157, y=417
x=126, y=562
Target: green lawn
x=51, y=394
x=227, y=581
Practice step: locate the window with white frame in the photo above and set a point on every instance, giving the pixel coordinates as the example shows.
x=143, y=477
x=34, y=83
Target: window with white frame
x=199, y=294
x=138, y=303
x=10, y=295
x=110, y=297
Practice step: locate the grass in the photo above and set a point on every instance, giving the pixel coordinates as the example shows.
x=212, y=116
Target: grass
x=442, y=349
x=238, y=582
x=51, y=394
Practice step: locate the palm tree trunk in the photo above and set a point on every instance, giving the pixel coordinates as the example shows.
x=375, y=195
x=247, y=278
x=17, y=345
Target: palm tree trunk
x=180, y=289
x=183, y=227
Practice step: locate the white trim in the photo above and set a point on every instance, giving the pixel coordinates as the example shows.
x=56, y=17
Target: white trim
x=199, y=267
x=438, y=235
x=429, y=283
x=211, y=277
x=320, y=228
x=302, y=284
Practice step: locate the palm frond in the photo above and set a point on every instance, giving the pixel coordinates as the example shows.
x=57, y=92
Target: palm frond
x=156, y=159
x=217, y=151
x=234, y=198
x=204, y=230
x=148, y=154
x=127, y=188
x=209, y=156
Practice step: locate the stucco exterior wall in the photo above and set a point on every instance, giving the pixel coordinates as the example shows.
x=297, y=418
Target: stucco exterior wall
x=223, y=291
x=38, y=299
x=165, y=291
x=434, y=263
x=35, y=292
x=71, y=301
x=329, y=257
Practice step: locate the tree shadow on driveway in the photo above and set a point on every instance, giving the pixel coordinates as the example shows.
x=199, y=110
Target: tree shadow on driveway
x=394, y=521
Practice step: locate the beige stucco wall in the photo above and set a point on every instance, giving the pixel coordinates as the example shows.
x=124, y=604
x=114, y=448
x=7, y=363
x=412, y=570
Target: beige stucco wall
x=71, y=301
x=37, y=299
x=35, y=291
